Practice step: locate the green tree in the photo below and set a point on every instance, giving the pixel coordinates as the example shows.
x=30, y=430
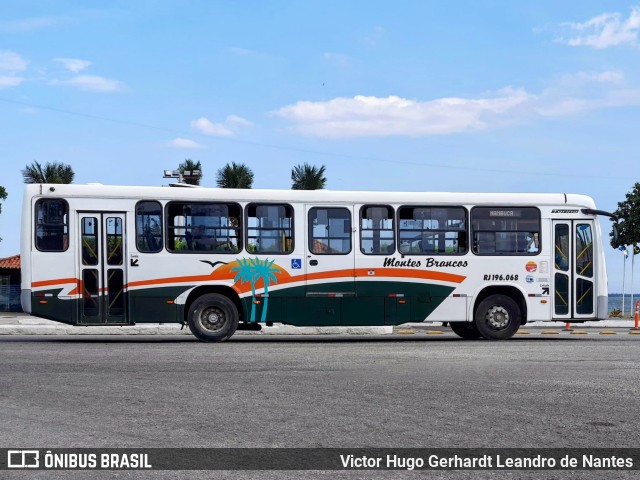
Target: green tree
x=3, y=196
x=628, y=213
x=189, y=166
x=55, y=172
x=308, y=177
x=234, y=175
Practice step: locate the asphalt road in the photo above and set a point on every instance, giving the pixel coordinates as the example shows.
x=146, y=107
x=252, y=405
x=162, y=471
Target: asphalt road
x=391, y=391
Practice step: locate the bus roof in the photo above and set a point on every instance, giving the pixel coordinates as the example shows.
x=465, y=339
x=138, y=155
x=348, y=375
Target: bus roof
x=301, y=196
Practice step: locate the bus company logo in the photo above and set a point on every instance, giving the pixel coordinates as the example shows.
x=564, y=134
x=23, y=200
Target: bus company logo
x=23, y=459
x=531, y=266
x=557, y=210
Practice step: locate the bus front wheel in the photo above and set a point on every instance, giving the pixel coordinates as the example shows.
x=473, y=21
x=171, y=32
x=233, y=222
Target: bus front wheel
x=213, y=318
x=498, y=317
x=466, y=330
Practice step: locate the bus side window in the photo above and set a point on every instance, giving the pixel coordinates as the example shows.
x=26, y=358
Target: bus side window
x=52, y=225
x=377, y=230
x=149, y=226
x=204, y=227
x=329, y=231
x=269, y=228
x=505, y=230
x=429, y=230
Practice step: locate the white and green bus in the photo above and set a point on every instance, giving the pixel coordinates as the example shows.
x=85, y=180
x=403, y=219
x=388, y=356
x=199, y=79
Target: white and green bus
x=219, y=260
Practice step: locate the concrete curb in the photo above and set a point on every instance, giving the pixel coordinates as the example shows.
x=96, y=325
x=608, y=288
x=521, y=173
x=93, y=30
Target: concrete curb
x=24, y=324
x=34, y=326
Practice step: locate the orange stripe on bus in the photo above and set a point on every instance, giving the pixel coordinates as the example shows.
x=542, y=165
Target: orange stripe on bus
x=58, y=281
x=161, y=281
x=333, y=274
x=405, y=273
x=382, y=273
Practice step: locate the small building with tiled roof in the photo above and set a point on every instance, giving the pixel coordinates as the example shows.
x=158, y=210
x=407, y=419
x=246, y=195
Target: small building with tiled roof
x=10, y=284
x=10, y=263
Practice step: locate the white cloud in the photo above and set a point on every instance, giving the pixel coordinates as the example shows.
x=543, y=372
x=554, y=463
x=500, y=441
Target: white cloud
x=220, y=129
x=11, y=62
x=29, y=24
x=609, y=76
x=185, y=143
x=605, y=30
x=337, y=59
x=73, y=64
x=363, y=116
x=8, y=81
x=236, y=120
x=374, y=37
x=10, y=65
x=367, y=116
x=207, y=127
x=92, y=83
x=241, y=51
x=556, y=103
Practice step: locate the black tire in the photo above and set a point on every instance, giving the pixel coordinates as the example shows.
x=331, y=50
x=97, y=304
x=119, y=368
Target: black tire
x=466, y=330
x=213, y=318
x=498, y=317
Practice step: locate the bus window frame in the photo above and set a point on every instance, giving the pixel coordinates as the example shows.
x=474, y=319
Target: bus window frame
x=291, y=228
x=466, y=230
x=501, y=254
x=167, y=219
x=65, y=242
x=162, y=225
x=310, y=229
x=393, y=229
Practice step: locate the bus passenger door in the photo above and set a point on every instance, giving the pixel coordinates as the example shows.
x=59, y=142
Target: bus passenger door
x=330, y=261
x=573, y=270
x=102, y=268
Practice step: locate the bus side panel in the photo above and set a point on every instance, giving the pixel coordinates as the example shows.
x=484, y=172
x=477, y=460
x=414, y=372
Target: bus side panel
x=55, y=292
x=411, y=302
x=52, y=305
x=154, y=305
x=265, y=309
x=451, y=309
x=363, y=311
x=405, y=301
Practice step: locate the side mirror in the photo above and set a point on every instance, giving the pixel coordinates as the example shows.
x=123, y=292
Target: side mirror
x=616, y=232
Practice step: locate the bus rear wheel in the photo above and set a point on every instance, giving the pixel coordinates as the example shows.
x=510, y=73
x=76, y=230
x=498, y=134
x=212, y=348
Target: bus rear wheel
x=213, y=318
x=498, y=317
x=466, y=330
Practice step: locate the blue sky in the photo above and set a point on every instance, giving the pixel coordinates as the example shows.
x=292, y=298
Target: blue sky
x=413, y=95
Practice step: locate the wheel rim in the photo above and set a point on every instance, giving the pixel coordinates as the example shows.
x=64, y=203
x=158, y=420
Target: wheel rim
x=212, y=319
x=497, y=317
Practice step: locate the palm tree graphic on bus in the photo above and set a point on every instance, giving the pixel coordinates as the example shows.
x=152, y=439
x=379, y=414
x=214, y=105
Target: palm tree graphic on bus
x=253, y=270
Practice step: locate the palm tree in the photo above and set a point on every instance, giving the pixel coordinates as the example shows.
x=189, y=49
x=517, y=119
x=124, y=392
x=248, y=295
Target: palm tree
x=251, y=270
x=235, y=175
x=246, y=273
x=265, y=270
x=308, y=177
x=189, y=166
x=55, y=172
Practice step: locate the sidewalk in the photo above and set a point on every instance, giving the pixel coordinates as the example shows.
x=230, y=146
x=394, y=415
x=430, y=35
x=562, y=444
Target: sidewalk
x=24, y=324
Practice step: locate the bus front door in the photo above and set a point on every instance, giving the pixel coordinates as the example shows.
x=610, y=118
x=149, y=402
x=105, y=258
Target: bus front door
x=330, y=263
x=102, y=268
x=573, y=270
